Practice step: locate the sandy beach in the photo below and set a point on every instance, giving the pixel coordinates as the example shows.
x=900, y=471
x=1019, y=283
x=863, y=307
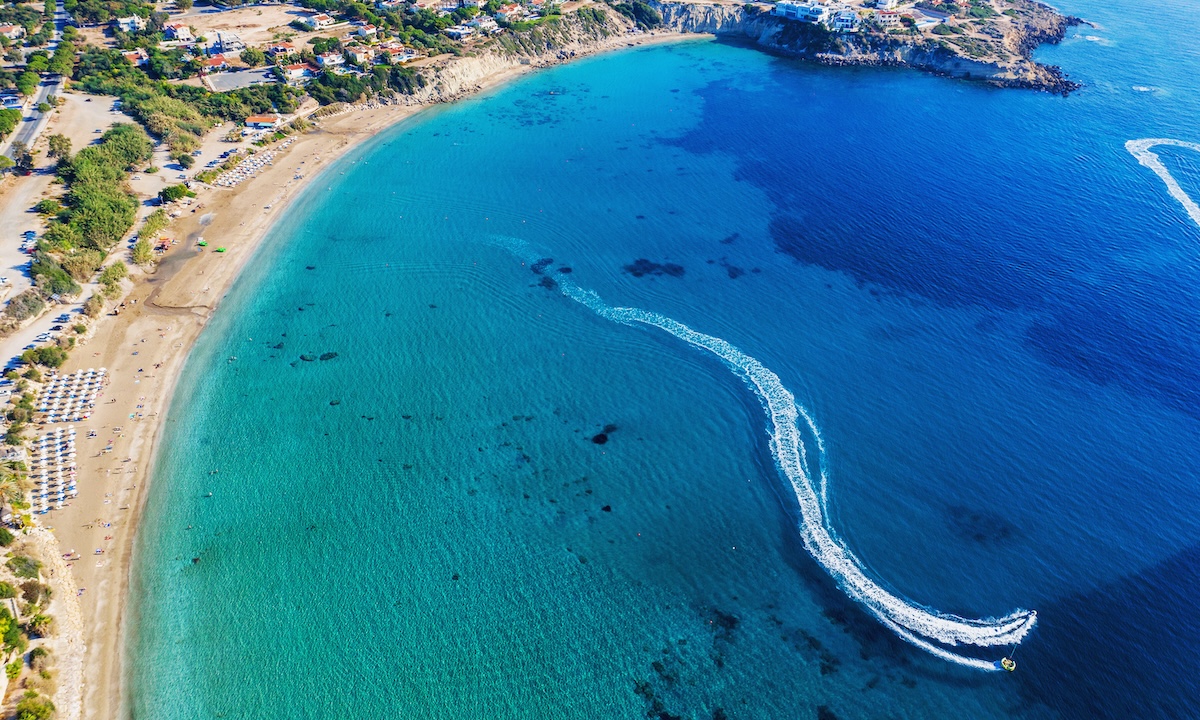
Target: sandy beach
x=144, y=349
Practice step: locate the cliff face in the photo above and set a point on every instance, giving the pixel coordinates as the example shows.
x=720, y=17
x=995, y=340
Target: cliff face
x=1008, y=64
x=571, y=36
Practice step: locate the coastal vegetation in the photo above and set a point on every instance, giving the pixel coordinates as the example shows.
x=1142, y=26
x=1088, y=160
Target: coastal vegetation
x=179, y=114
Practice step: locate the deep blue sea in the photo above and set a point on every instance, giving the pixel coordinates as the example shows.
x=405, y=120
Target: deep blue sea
x=990, y=310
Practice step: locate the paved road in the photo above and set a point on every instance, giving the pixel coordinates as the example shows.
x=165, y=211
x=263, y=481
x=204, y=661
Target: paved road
x=34, y=122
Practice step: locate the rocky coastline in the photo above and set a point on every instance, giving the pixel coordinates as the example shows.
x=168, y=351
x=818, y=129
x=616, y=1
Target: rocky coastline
x=1005, y=61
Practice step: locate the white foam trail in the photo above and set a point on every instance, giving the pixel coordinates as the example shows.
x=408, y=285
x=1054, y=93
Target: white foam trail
x=921, y=626
x=1140, y=149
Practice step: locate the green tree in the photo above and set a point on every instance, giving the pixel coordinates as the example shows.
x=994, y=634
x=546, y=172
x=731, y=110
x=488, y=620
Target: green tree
x=9, y=118
x=44, y=107
x=253, y=57
x=184, y=5
x=185, y=160
x=27, y=83
x=38, y=63
x=60, y=146
x=21, y=156
x=172, y=193
x=63, y=62
x=13, y=669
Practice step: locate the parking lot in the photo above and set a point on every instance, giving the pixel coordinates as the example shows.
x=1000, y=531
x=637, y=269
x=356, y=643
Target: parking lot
x=226, y=81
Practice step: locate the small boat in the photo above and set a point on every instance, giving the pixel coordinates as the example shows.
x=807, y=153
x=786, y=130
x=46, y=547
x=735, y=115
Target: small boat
x=220, y=249
x=203, y=243
x=1008, y=664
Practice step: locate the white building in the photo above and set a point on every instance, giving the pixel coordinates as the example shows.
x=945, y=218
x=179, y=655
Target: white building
x=846, y=21
x=887, y=18
x=178, y=31
x=805, y=12
x=361, y=55
x=885, y=4
x=510, y=13
x=133, y=23
x=484, y=24
x=331, y=59
x=318, y=21
x=12, y=32
x=458, y=32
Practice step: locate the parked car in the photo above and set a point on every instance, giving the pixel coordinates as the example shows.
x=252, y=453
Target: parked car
x=63, y=318
x=56, y=327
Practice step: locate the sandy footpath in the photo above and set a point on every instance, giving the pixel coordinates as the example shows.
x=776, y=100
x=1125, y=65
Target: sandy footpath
x=144, y=349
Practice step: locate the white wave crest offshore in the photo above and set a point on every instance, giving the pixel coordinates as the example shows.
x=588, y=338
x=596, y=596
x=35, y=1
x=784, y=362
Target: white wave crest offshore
x=1140, y=149
x=923, y=627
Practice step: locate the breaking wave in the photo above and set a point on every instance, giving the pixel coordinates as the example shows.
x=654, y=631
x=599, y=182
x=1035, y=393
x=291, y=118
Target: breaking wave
x=1140, y=149
x=926, y=628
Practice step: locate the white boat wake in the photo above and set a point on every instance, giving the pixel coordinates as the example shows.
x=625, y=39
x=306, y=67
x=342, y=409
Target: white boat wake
x=926, y=628
x=1140, y=149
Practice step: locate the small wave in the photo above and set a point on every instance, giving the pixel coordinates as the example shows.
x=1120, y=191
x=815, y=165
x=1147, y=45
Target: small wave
x=926, y=628
x=1140, y=149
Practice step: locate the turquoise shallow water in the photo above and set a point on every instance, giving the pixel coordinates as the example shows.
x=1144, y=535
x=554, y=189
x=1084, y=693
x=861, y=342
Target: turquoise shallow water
x=988, y=306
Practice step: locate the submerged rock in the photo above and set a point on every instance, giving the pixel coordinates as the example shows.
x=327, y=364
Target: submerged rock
x=328, y=355
x=643, y=267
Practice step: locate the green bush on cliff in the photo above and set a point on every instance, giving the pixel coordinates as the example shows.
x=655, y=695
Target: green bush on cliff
x=640, y=13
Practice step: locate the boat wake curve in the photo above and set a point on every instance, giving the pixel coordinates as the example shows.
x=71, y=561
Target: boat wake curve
x=1140, y=149
x=933, y=631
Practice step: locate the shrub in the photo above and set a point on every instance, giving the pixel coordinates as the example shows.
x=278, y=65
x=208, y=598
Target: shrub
x=48, y=356
x=25, y=305
x=14, y=668
x=6, y=537
x=79, y=328
x=39, y=658
x=33, y=591
x=34, y=707
x=154, y=223
x=49, y=206
x=114, y=273
x=7, y=590
x=93, y=306
x=143, y=254
x=50, y=277
x=83, y=264
x=24, y=567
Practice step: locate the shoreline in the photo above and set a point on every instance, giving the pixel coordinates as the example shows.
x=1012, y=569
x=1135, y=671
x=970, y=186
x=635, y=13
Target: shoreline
x=145, y=348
